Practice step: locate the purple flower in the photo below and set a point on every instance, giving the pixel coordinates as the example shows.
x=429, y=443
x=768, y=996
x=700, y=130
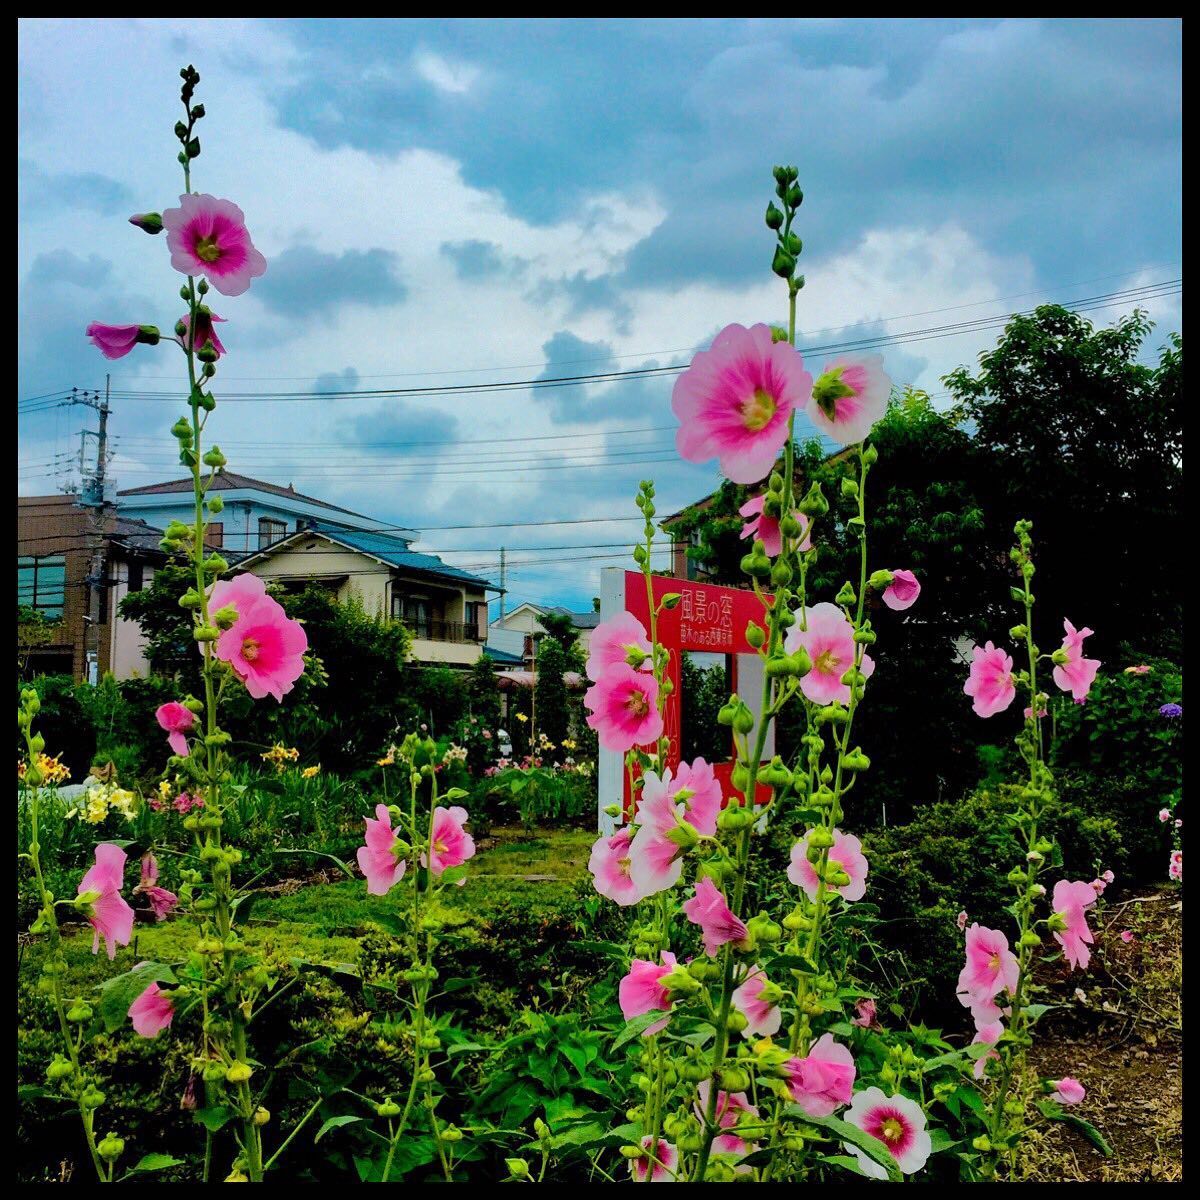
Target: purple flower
x=1171, y=711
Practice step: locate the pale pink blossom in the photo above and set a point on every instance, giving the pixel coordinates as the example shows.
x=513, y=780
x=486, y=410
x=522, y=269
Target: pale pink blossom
x=178, y=722
x=762, y=1019
x=691, y=794
x=1068, y=1090
x=1029, y=713
x=990, y=683
x=1164, y=815
x=823, y=1080
x=903, y=591
x=663, y=1167
x=621, y=640
x=1077, y=673
x=849, y=396
x=766, y=529
x=987, y=1035
x=1072, y=900
x=116, y=341
x=961, y=920
x=1175, y=866
x=624, y=708
x=866, y=1019
x=708, y=909
x=610, y=865
x=208, y=236
x=264, y=646
x=730, y=1106
x=450, y=844
x=1140, y=669
x=162, y=901
x=991, y=968
x=735, y=400
x=828, y=638
x=377, y=859
x=1127, y=936
x=151, y=1012
x=846, y=851
x=641, y=990
x=896, y=1121
x=109, y=913
x=1098, y=886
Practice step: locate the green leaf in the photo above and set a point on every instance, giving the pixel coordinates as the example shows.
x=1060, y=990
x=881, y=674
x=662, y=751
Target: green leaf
x=940, y=1140
x=335, y=1123
x=1034, y=1011
x=214, y=1118
x=154, y=1162
x=845, y=1161
x=872, y=1147
x=121, y=991
x=1054, y=1112
x=795, y=962
x=29, y=1091
x=637, y=1026
x=586, y=1134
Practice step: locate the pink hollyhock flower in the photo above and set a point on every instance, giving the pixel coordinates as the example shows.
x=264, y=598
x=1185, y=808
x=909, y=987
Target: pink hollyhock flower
x=987, y=1035
x=451, y=844
x=1077, y=673
x=823, y=1080
x=730, y=1106
x=846, y=851
x=1072, y=900
x=1175, y=866
x=177, y=721
x=264, y=646
x=610, y=865
x=616, y=642
x=208, y=237
x=762, y=1018
x=903, y=591
x=850, y=395
x=162, y=901
x=708, y=909
x=1098, y=886
x=377, y=859
x=116, y=341
x=151, y=1012
x=961, y=920
x=1127, y=936
x=206, y=335
x=766, y=529
x=1140, y=669
x=662, y=1169
x=692, y=795
x=624, y=708
x=991, y=968
x=1029, y=713
x=1068, y=1090
x=110, y=915
x=990, y=684
x=641, y=991
x=898, y=1122
x=1164, y=815
x=734, y=401
x=866, y=1018
x=828, y=637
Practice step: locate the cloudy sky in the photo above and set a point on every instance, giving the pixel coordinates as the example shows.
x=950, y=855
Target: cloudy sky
x=469, y=202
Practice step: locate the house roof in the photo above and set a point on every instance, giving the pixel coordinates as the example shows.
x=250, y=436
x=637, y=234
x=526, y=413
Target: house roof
x=381, y=546
x=503, y=656
x=230, y=481
x=580, y=620
x=135, y=534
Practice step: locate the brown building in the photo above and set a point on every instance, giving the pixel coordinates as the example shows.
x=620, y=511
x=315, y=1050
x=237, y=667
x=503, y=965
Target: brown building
x=54, y=562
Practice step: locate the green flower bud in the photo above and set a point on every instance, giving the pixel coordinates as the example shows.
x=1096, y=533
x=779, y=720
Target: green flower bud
x=240, y=1072
x=846, y=597
x=879, y=580
x=814, y=503
x=755, y=635
x=849, y=487
x=783, y=264
x=774, y=217
x=111, y=1147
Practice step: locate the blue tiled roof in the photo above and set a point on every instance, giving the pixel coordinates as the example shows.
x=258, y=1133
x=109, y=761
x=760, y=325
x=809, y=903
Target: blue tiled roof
x=503, y=656
x=395, y=552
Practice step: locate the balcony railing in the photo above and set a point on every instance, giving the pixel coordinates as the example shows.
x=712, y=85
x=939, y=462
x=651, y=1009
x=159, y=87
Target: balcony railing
x=443, y=631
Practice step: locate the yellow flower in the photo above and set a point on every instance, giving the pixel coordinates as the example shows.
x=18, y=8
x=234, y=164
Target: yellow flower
x=522, y=718
x=124, y=802
x=165, y=789
x=309, y=772
x=388, y=761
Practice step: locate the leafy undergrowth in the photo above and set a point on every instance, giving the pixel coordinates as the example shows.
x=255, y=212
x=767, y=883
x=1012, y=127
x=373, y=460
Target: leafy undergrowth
x=1124, y=1043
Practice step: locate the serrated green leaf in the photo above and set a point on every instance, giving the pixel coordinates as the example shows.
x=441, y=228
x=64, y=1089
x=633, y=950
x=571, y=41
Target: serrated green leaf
x=213, y=1118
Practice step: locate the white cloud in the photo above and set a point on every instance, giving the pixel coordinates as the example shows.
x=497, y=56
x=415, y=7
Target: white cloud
x=456, y=78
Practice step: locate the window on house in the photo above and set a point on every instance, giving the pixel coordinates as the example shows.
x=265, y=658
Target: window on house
x=42, y=584
x=472, y=621
x=415, y=613
x=216, y=533
x=135, y=582
x=270, y=531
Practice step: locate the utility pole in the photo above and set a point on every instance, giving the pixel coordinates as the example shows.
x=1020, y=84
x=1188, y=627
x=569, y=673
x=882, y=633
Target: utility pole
x=503, y=577
x=92, y=496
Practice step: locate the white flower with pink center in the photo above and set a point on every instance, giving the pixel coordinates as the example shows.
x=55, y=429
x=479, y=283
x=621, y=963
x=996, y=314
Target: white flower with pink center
x=897, y=1122
x=850, y=395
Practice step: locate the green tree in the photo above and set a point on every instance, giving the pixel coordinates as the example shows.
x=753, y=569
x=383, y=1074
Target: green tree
x=550, y=699
x=484, y=693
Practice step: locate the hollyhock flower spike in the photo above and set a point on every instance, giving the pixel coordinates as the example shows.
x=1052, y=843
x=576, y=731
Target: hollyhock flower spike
x=850, y=395
x=264, y=646
x=823, y=1080
x=116, y=341
x=641, y=991
x=621, y=640
x=828, y=638
x=763, y=1017
x=662, y=1169
x=151, y=1012
x=987, y=1035
x=208, y=236
x=1068, y=1090
x=162, y=901
x=766, y=529
x=378, y=860
x=451, y=844
x=735, y=400
x=846, y=851
x=898, y=1122
x=902, y=592
x=708, y=909
x=624, y=708
x=730, y=1106
x=1077, y=673
x=1175, y=866
x=990, y=683
x=1070, y=902
x=110, y=915
x=178, y=722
